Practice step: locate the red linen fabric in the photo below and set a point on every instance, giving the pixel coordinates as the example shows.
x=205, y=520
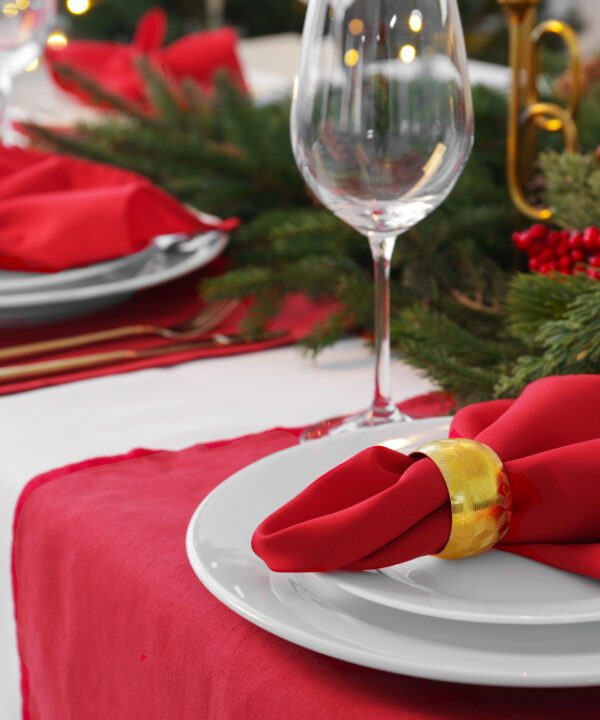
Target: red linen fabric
x=112, y=622
x=199, y=56
x=381, y=507
x=166, y=306
x=59, y=212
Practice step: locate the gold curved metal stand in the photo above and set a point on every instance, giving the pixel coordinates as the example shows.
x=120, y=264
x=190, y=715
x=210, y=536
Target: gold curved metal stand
x=526, y=112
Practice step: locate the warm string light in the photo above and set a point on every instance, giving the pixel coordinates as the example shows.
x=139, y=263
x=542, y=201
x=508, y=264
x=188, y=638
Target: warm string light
x=10, y=10
x=407, y=54
x=415, y=21
x=78, y=7
x=57, y=41
x=351, y=58
x=33, y=65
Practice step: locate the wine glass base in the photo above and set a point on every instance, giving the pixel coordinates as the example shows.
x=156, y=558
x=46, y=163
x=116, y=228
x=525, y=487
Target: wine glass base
x=350, y=423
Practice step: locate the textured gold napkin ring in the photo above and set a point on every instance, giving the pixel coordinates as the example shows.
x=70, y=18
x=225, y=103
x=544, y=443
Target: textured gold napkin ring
x=480, y=495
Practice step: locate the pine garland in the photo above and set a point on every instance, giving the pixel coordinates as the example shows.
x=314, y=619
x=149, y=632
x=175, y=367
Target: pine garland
x=461, y=312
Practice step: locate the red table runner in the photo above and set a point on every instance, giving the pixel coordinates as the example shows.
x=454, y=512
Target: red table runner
x=113, y=623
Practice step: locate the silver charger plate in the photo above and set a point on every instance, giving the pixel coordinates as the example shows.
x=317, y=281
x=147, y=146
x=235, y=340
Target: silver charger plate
x=47, y=299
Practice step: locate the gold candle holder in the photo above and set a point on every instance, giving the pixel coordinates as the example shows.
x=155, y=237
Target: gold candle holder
x=526, y=114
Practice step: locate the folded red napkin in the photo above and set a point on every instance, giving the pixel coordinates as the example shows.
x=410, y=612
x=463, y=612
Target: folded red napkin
x=113, y=65
x=381, y=507
x=59, y=212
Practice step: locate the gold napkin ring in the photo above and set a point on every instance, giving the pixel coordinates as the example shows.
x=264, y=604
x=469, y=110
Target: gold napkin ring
x=480, y=495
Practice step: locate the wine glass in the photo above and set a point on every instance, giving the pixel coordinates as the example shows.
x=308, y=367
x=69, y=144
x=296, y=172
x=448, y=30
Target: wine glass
x=215, y=12
x=381, y=127
x=24, y=26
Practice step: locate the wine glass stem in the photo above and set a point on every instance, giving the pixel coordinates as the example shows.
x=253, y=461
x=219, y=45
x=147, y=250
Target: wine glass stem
x=382, y=249
x=5, y=92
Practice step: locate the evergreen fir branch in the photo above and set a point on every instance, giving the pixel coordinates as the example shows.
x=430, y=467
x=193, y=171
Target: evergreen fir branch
x=573, y=189
x=568, y=342
x=100, y=96
x=535, y=299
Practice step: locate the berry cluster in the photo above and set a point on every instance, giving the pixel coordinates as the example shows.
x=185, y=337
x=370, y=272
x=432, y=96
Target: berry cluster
x=564, y=251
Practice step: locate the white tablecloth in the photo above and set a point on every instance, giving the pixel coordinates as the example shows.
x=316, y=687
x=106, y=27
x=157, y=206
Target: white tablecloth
x=168, y=408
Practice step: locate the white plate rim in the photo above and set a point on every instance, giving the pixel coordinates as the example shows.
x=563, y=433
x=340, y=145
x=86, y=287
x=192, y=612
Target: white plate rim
x=306, y=637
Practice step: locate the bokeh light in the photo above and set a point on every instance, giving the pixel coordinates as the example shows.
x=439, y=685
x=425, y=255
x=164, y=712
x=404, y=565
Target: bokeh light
x=78, y=7
x=407, y=53
x=351, y=58
x=356, y=26
x=415, y=21
x=57, y=41
x=10, y=10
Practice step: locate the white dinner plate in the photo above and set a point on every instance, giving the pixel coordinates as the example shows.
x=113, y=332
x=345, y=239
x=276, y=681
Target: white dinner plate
x=313, y=611
x=44, y=304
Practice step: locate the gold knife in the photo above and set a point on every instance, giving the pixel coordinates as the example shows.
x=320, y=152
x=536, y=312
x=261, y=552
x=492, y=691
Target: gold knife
x=28, y=371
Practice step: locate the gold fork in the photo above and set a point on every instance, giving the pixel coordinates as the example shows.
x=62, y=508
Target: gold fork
x=27, y=371
x=206, y=320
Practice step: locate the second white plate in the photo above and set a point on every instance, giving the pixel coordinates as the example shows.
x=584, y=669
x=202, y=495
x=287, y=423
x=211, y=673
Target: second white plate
x=313, y=611
x=492, y=588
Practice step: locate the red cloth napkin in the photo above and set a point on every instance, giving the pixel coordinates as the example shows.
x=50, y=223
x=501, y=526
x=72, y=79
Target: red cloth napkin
x=59, y=212
x=113, y=623
x=381, y=507
x=113, y=65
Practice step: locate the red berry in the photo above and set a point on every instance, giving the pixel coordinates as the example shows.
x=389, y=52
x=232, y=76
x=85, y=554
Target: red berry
x=579, y=269
x=536, y=248
x=522, y=240
x=575, y=240
x=563, y=248
x=594, y=261
x=590, y=238
x=546, y=255
x=534, y=264
x=566, y=263
x=538, y=232
x=577, y=255
x=595, y=274
x=543, y=268
x=554, y=239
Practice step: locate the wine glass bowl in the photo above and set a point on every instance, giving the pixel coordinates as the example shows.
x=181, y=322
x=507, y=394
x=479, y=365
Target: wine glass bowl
x=381, y=127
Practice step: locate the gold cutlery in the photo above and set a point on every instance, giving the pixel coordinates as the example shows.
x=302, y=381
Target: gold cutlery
x=28, y=371
x=202, y=323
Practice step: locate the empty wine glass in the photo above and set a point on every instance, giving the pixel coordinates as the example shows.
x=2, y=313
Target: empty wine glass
x=381, y=127
x=215, y=12
x=24, y=27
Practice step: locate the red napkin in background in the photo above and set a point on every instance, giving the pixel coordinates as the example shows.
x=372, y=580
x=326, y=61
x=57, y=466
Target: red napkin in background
x=198, y=56
x=59, y=212
x=113, y=623
x=381, y=507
